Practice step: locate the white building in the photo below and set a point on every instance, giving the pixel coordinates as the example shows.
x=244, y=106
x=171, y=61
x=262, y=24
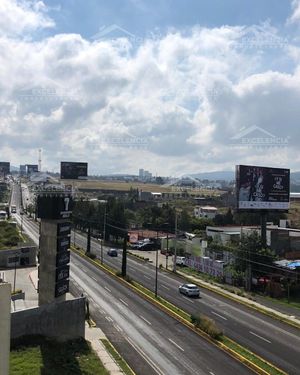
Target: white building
x=205, y=211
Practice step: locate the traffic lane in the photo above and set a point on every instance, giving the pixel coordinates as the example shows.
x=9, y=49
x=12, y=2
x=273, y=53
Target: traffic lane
x=266, y=337
x=115, y=335
x=167, y=340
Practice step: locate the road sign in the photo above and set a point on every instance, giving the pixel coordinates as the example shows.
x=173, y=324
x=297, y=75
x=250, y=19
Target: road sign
x=62, y=287
x=62, y=273
x=54, y=207
x=62, y=258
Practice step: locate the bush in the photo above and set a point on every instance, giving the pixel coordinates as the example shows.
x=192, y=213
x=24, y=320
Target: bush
x=207, y=325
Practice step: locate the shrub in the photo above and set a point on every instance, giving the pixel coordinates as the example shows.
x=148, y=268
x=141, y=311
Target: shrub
x=207, y=325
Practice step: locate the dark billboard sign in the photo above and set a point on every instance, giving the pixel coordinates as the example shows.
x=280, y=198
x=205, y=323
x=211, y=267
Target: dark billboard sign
x=63, y=244
x=32, y=168
x=62, y=258
x=4, y=168
x=64, y=229
x=262, y=188
x=62, y=287
x=62, y=273
x=73, y=170
x=54, y=207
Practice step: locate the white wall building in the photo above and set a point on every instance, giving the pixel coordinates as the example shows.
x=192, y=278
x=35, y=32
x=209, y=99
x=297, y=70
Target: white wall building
x=205, y=211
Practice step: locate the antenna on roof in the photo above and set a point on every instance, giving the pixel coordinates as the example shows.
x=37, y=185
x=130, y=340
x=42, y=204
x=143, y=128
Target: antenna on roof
x=40, y=160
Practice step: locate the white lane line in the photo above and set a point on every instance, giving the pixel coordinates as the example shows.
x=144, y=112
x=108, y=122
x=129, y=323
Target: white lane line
x=94, y=278
x=118, y=328
x=107, y=289
x=109, y=319
x=145, y=320
x=145, y=356
x=188, y=299
x=147, y=277
x=163, y=286
x=260, y=337
x=211, y=373
x=220, y=316
x=125, y=303
x=131, y=269
x=174, y=343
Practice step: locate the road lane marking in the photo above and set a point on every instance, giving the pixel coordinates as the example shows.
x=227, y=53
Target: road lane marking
x=131, y=269
x=145, y=356
x=107, y=289
x=125, y=303
x=260, y=337
x=163, y=286
x=147, y=277
x=109, y=319
x=145, y=320
x=174, y=343
x=220, y=316
x=94, y=278
x=188, y=299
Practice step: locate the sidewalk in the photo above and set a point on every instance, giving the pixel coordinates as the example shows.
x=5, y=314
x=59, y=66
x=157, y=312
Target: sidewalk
x=93, y=335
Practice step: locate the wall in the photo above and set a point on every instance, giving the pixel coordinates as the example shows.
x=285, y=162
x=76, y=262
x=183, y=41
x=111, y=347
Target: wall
x=61, y=320
x=5, y=293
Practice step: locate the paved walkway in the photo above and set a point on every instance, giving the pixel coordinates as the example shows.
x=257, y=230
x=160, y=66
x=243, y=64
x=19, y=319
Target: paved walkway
x=93, y=335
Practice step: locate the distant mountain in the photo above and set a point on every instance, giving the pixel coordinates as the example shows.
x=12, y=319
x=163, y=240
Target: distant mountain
x=229, y=175
x=213, y=176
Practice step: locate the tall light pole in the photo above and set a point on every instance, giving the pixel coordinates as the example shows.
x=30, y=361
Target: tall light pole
x=156, y=266
x=175, y=250
x=103, y=238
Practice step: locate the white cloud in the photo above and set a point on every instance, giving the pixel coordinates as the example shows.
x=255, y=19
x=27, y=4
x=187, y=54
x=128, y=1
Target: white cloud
x=182, y=96
x=20, y=16
x=295, y=17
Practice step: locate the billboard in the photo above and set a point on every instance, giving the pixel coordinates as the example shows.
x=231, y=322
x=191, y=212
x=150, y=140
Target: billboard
x=32, y=168
x=262, y=188
x=73, y=170
x=54, y=207
x=4, y=168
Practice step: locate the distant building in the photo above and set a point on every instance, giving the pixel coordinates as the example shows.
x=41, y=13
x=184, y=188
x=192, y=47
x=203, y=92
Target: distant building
x=144, y=175
x=205, y=211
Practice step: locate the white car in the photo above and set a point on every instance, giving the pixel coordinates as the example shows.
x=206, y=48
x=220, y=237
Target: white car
x=190, y=290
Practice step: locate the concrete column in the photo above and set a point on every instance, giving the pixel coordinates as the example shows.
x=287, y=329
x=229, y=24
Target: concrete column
x=5, y=298
x=47, y=265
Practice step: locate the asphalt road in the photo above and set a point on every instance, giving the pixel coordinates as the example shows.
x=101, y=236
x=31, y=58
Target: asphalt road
x=151, y=341
x=277, y=342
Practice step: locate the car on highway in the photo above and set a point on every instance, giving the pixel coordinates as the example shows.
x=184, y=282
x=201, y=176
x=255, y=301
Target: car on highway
x=190, y=290
x=112, y=252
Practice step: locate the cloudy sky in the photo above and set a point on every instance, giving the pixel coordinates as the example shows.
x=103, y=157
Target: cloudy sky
x=167, y=85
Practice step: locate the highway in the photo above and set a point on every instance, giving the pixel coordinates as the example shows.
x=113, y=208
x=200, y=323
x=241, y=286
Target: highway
x=150, y=341
x=277, y=342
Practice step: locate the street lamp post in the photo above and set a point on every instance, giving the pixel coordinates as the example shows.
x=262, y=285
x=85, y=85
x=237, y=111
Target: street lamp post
x=175, y=249
x=103, y=236
x=156, y=266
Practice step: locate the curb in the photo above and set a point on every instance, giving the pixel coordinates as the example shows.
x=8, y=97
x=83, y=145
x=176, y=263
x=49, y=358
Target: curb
x=232, y=297
x=220, y=345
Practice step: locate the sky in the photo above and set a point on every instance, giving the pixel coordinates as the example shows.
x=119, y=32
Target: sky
x=174, y=87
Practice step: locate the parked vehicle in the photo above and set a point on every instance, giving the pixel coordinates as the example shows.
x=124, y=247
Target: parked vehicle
x=180, y=261
x=147, y=246
x=112, y=252
x=190, y=290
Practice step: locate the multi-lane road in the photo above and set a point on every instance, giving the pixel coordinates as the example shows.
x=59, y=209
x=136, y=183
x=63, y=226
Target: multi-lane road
x=275, y=341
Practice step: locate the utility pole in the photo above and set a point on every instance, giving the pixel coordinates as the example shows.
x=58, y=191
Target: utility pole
x=167, y=254
x=103, y=238
x=124, y=257
x=156, y=265
x=88, y=244
x=175, y=250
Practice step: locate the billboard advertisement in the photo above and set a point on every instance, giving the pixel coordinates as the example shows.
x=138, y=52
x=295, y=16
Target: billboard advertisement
x=262, y=188
x=54, y=207
x=73, y=170
x=32, y=168
x=4, y=168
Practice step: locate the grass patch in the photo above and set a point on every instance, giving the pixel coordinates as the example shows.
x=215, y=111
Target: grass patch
x=9, y=236
x=116, y=356
x=251, y=357
x=38, y=355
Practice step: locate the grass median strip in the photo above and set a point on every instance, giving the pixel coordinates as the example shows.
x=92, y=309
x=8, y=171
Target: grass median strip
x=117, y=357
x=256, y=363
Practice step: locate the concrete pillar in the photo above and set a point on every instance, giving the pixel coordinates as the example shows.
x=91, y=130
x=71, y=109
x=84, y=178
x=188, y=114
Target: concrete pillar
x=5, y=298
x=47, y=262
